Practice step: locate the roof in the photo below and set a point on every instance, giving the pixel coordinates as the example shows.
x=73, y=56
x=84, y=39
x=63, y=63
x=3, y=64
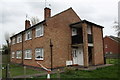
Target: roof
x=85, y=21
x=28, y=28
x=39, y=23
x=114, y=38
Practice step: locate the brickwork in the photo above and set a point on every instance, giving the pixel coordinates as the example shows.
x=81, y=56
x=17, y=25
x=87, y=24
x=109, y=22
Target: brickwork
x=85, y=44
x=98, y=57
x=57, y=28
x=111, y=45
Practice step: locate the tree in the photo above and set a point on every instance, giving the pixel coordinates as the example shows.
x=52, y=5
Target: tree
x=5, y=49
x=34, y=20
x=117, y=27
x=7, y=37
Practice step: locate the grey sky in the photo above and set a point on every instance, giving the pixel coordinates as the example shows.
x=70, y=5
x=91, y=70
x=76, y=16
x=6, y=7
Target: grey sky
x=13, y=13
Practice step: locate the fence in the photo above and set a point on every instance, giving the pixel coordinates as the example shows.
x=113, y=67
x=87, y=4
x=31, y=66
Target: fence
x=112, y=56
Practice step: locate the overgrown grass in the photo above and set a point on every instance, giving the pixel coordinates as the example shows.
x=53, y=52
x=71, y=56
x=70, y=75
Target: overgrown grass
x=113, y=61
x=17, y=70
x=105, y=72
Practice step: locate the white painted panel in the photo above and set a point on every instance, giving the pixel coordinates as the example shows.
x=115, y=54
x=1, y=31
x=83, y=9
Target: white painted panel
x=68, y=63
x=89, y=44
x=80, y=56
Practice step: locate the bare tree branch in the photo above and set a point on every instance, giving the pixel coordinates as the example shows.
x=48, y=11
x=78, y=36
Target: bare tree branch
x=34, y=20
x=117, y=27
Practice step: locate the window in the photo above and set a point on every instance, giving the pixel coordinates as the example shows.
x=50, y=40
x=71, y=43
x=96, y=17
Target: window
x=28, y=35
x=106, y=46
x=18, y=54
x=39, y=31
x=110, y=52
x=106, y=53
x=13, y=54
x=89, y=29
x=39, y=53
x=19, y=38
x=28, y=54
x=13, y=41
x=74, y=31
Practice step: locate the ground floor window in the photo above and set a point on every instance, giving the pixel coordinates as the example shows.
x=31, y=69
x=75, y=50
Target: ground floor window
x=13, y=54
x=18, y=54
x=39, y=52
x=28, y=54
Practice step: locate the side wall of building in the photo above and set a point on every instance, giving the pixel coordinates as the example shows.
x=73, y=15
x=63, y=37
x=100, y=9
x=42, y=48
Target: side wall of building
x=58, y=30
x=110, y=45
x=98, y=57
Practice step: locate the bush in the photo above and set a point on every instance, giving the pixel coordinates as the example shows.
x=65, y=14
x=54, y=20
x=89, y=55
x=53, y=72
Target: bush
x=69, y=70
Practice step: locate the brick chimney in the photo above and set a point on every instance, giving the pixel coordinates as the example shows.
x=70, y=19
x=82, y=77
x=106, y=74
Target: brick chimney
x=27, y=24
x=47, y=12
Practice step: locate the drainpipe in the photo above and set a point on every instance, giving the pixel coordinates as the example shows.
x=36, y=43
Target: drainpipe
x=51, y=45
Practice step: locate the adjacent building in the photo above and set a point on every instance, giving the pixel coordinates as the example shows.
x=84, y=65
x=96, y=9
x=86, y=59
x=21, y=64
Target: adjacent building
x=59, y=40
x=111, y=45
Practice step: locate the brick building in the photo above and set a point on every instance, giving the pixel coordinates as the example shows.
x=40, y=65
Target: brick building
x=60, y=40
x=111, y=45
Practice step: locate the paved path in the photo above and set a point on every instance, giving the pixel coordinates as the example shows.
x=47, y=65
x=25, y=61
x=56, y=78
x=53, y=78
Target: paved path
x=62, y=70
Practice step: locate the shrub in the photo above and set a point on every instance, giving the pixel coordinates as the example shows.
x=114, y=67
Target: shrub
x=69, y=70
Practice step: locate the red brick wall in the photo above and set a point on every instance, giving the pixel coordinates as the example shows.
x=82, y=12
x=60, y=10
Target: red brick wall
x=14, y=48
x=98, y=57
x=58, y=30
x=112, y=46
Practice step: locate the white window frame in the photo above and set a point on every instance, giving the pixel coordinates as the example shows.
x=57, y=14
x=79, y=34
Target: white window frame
x=89, y=29
x=13, y=55
x=13, y=41
x=19, y=38
x=39, y=51
x=19, y=53
x=39, y=31
x=28, y=33
x=106, y=46
x=74, y=31
x=28, y=54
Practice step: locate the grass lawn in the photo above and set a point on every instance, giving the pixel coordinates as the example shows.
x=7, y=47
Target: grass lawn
x=105, y=72
x=17, y=70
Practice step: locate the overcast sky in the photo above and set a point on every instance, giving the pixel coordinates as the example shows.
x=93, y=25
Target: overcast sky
x=13, y=13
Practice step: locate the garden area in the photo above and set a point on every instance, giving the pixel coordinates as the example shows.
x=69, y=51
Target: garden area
x=69, y=72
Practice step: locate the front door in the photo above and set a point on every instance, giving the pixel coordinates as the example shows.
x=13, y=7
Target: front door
x=75, y=59
x=77, y=56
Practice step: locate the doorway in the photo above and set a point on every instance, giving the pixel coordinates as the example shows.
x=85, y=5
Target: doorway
x=77, y=54
x=90, y=55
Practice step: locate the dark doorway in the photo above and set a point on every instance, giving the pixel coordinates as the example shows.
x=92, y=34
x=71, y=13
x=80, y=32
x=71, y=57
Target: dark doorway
x=90, y=55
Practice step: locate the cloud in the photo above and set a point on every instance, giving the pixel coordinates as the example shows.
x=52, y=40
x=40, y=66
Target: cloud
x=13, y=12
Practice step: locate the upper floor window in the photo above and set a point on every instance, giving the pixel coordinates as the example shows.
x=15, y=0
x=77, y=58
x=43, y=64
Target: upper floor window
x=28, y=54
x=28, y=35
x=19, y=38
x=39, y=53
x=89, y=29
x=13, y=40
x=19, y=54
x=39, y=30
x=13, y=54
x=74, y=31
